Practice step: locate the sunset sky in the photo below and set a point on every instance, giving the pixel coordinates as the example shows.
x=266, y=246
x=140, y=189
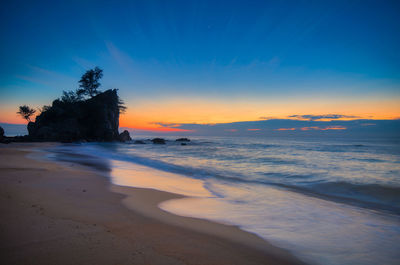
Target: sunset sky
x=199, y=62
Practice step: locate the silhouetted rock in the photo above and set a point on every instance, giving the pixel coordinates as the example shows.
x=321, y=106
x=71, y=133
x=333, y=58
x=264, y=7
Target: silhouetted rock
x=31, y=128
x=183, y=143
x=7, y=140
x=3, y=138
x=124, y=136
x=1, y=134
x=183, y=140
x=158, y=141
x=139, y=142
x=94, y=119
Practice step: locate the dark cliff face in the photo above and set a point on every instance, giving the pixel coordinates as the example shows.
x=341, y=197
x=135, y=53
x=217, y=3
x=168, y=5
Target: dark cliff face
x=95, y=119
x=1, y=134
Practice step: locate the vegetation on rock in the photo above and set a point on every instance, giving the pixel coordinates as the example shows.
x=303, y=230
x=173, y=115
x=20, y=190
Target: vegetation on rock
x=85, y=114
x=26, y=112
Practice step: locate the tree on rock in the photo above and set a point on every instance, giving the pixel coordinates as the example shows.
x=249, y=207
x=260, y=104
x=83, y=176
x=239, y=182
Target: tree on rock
x=89, y=82
x=26, y=112
x=71, y=96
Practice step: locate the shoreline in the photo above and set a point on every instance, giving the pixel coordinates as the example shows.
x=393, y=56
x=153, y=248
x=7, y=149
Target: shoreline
x=80, y=207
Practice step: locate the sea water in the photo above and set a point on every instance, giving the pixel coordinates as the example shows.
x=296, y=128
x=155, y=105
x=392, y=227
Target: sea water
x=328, y=201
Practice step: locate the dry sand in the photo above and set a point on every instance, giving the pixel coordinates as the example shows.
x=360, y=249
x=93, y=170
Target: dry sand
x=55, y=213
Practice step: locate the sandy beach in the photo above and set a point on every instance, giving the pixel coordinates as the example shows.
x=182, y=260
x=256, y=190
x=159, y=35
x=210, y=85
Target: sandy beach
x=56, y=213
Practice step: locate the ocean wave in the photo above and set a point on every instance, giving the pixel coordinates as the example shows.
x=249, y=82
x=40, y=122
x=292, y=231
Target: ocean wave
x=274, y=160
x=277, y=175
x=375, y=196
x=373, y=192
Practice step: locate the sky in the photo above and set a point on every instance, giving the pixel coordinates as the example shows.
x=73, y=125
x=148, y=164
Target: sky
x=182, y=64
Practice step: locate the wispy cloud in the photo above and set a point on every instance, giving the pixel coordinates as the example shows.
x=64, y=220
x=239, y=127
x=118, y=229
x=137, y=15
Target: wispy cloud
x=253, y=129
x=309, y=128
x=267, y=118
x=274, y=62
x=83, y=63
x=368, y=124
x=45, y=77
x=34, y=80
x=326, y=117
x=323, y=128
x=285, y=129
x=167, y=125
x=123, y=59
x=334, y=128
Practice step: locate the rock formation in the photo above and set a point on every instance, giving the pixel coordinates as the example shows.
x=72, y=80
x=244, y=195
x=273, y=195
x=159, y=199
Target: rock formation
x=158, y=141
x=124, y=136
x=94, y=119
x=182, y=140
x=1, y=134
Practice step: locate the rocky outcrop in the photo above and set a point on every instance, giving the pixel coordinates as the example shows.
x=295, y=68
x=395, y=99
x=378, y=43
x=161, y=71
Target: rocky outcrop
x=158, y=141
x=94, y=119
x=124, y=136
x=1, y=134
x=182, y=140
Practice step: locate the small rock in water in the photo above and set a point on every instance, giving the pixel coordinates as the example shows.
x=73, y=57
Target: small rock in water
x=158, y=141
x=124, y=136
x=183, y=144
x=139, y=142
x=182, y=140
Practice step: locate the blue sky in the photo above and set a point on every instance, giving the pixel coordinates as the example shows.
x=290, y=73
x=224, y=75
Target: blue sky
x=213, y=51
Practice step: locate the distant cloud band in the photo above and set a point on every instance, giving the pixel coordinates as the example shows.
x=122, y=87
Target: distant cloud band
x=322, y=117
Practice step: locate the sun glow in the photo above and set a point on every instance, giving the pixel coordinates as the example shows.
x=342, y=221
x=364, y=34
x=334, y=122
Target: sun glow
x=166, y=115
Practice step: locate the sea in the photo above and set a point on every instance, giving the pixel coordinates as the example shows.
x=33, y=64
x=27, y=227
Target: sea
x=330, y=201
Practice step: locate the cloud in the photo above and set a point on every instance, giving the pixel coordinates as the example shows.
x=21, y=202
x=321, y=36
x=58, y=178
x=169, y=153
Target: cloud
x=274, y=62
x=309, y=128
x=83, y=63
x=123, y=59
x=326, y=117
x=167, y=125
x=292, y=126
x=368, y=124
x=44, y=77
x=34, y=80
x=334, y=128
x=266, y=118
x=324, y=128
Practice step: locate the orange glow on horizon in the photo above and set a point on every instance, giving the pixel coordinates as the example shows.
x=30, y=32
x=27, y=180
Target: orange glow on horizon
x=166, y=115
x=9, y=115
x=148, y=115
x=159, y=129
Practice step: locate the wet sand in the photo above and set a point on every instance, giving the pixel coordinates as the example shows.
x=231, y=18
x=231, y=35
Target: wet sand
x=54, y=213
